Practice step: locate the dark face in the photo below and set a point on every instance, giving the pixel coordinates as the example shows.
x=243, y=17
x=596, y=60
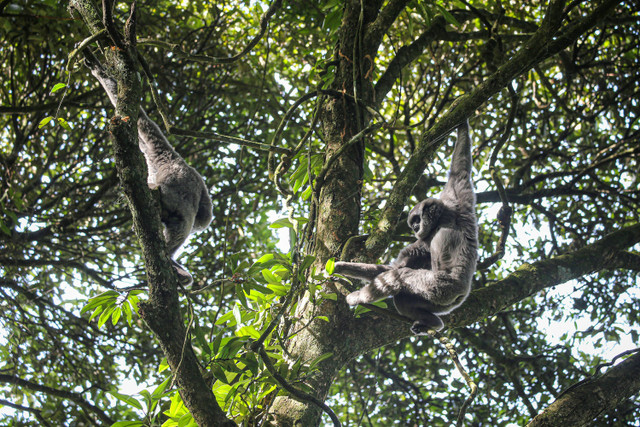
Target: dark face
x=424, y=217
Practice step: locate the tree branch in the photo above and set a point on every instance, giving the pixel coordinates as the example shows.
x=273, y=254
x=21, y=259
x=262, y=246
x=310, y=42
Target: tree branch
x=36, y=412
x=582, y=404
x=181, y=53
x=522, y=283
x=73, y=397
x=530, y=279
x=378, y=28
x=406, y=55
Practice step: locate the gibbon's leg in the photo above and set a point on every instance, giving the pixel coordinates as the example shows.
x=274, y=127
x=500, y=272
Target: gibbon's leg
x=176, y=231
x=419, y=311
x=384, y=285
x=436, y=287
x=359, y=270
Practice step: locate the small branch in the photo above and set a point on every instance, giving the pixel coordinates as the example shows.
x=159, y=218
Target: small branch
x=73, y=397
x=300, y=101
x=285, y=162
x=276, y=136
x=543, y=43
x=530, y=279
x=456, y=361
x=453, y=355
x=180, y=53
x=36, y=412
x=504, y=214
x=299, y=394
x=84, y=43
x=264, y=22
x=368, y=130
x=387, y=16
x=107, y=21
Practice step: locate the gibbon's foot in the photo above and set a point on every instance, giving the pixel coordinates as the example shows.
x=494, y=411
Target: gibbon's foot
x=421, y=326
x=354, y=298
x=184, y=277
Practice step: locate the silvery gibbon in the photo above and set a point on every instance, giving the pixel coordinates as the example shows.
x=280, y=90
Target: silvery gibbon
x=433, y=275
x=184, y=198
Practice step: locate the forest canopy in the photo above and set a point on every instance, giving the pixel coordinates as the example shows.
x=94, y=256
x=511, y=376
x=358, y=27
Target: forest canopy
x=317, y=126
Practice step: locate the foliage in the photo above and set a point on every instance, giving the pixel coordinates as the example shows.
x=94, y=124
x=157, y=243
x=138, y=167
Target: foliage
x=74, y=346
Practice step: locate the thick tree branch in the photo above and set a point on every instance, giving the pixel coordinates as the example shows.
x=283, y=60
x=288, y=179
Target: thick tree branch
x=528, y=198
x=522, y=283
x=580, y=405
x=406, y=55
x=530, y=279
x=378, y=28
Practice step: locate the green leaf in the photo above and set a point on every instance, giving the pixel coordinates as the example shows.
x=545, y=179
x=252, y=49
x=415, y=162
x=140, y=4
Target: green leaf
x=44, y=122
x=57, y=87
x=270, y=277
x=332, y=296
x=447, y=16
x=95, y=313
x=128, y=313
x=319, y=359
x=330, y=266
x=307, y=193
x=64, y=123
x=116, y=315
x=307, y=262
x=241, y=296
x=264, y=258
x=281, y=223
x=105, y=316
x=159, y=391
x=129, y=400
x=104, y=299
x=216, y=343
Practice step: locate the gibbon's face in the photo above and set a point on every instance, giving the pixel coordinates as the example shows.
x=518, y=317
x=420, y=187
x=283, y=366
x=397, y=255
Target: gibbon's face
x=424, y=217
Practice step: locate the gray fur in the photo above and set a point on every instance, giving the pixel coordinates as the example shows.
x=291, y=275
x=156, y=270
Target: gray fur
x=184, y=198
x=433, y=275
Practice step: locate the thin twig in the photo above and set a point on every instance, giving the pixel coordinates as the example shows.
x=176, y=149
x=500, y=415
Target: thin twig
x=225, y=138
x=181, y=53
x=456, y=361
x=447, y=345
